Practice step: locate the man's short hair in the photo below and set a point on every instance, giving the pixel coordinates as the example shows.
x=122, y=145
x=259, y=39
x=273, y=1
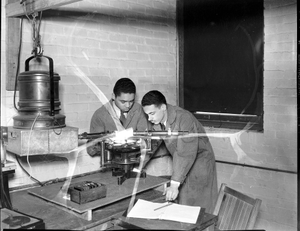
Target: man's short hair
x=154, y=97
x=124, y=85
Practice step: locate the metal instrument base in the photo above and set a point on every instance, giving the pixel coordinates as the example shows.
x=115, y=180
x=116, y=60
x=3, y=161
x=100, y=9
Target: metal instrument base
x=122, y=175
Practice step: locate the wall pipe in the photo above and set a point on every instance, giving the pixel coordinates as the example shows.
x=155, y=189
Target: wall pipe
x=252, y=166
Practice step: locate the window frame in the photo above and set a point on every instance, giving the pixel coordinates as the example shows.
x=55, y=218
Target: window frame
x=212, y=119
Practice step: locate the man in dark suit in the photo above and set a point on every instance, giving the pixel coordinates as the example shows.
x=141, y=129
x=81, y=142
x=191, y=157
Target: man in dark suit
x=193, y=180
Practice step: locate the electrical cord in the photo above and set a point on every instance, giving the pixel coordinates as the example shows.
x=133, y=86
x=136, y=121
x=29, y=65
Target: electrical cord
x=36, y=39
x=27, y=156
x=31, y=129
x=36, y=180
x=18, y=64
x=31, y=177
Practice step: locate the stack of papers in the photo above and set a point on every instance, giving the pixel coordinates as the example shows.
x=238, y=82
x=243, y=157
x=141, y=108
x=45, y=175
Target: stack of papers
x=174, y=212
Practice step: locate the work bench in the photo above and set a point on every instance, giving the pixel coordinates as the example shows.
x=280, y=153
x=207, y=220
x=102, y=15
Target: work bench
x=110, y=216
x=57, y=212
x=56, y=218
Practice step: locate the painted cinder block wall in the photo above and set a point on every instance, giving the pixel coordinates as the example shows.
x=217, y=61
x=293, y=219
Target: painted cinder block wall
x=137, y=39
x=110, y=40
x=276, y=146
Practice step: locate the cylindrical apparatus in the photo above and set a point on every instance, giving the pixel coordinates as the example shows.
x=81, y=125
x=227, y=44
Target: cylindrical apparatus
x=39, y=103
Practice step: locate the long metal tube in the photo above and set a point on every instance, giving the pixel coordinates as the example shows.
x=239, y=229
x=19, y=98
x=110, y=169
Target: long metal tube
x=160, y=133
x=137, y=134
x=86, y=135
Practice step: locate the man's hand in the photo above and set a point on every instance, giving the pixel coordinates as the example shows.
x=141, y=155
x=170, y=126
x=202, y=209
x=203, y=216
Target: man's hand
x=93, y=149
x=172, y=191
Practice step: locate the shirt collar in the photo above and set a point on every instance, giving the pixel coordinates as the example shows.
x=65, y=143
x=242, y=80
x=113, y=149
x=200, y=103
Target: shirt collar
x=117, y=110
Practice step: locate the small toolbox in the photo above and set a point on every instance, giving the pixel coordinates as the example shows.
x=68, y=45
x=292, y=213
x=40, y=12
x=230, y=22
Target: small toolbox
x=86, y=191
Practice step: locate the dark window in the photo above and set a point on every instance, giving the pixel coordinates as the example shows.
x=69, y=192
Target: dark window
x=221, y=61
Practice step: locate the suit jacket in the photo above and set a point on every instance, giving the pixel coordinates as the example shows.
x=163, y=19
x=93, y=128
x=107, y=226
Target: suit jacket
x=102, y=120
x=105, y=120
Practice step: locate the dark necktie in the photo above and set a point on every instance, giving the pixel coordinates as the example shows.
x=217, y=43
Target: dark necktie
x=122, y=118
x=163, y=127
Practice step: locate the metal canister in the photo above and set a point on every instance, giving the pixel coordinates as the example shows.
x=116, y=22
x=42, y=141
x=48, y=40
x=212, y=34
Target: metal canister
x=39, y=103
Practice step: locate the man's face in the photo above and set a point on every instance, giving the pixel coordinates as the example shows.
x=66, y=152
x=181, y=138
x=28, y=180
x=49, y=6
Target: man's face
x=155, y=114
x=124, y=101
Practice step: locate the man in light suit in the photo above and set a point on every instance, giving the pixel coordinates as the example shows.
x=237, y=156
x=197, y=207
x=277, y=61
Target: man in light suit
x=121, y=112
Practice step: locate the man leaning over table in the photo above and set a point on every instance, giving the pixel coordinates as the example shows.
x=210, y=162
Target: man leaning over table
x=193, y=180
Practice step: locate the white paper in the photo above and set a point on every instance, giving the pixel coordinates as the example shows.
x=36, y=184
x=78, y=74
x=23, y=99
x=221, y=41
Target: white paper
x=174, y=212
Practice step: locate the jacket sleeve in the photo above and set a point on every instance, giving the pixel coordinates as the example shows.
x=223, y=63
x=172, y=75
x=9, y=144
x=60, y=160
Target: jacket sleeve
x=97, y=125
x=186, y=149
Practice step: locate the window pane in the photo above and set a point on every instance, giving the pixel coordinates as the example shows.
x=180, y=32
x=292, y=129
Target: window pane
x=223, y=56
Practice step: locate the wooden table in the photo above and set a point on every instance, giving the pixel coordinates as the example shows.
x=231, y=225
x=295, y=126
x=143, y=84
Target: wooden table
x=106, y=217
x=58, y=219
x=53, y=193
x=104, y=213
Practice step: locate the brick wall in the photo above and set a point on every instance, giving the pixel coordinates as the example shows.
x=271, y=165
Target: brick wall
x=91, y=49
x=276, y=146
x=137, y=39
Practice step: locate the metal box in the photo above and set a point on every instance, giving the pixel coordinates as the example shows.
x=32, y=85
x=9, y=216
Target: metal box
x=25, y=142
x=82, y=192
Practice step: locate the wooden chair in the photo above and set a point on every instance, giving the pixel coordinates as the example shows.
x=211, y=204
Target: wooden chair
x=235, y=210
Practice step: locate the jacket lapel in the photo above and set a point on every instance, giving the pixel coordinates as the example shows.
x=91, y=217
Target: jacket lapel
x=171, y=116
x=130, y=115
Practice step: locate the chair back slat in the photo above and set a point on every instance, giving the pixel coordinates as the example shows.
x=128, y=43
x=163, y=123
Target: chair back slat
x=236, y=211
x=225, y=212
x=239, y=213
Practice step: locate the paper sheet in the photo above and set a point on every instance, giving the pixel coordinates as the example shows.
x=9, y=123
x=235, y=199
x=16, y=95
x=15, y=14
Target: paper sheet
x=174, y=212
